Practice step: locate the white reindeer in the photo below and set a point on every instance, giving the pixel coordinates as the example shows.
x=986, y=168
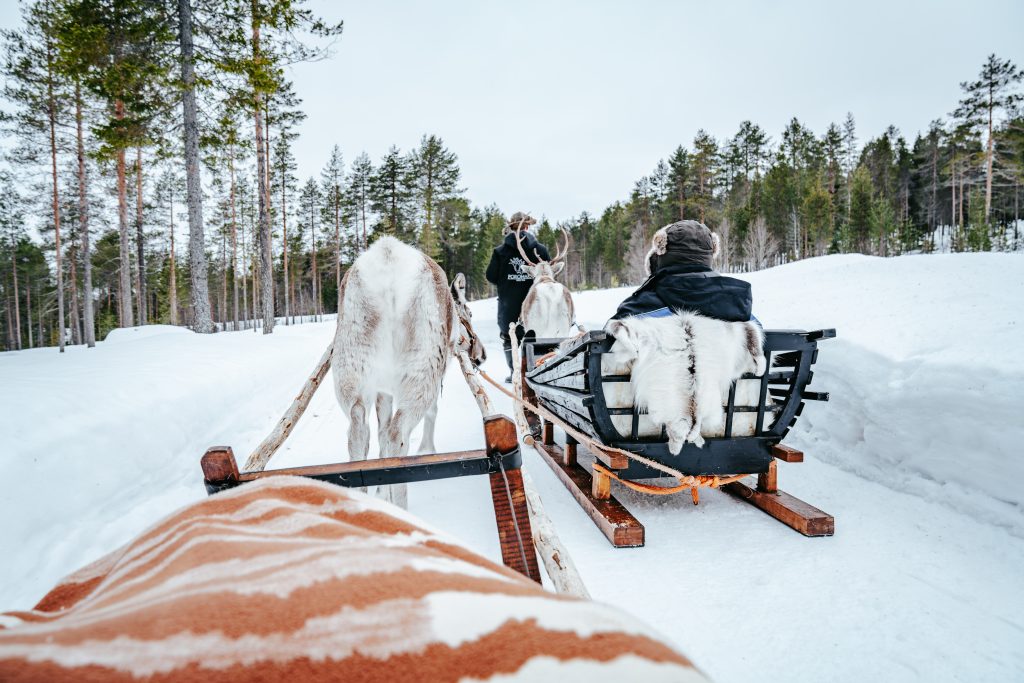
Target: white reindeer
x=547, y=309
x=398, y=321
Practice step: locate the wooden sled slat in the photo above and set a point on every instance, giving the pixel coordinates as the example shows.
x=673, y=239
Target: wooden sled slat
x=621, y=528
x=791, y=511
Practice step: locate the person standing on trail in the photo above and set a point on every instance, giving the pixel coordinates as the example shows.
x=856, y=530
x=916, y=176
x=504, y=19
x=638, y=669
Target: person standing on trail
x=680, y=278
x=513, y=281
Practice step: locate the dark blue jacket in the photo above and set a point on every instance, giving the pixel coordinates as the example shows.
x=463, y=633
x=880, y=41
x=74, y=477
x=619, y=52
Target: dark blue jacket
x=506, y=272
x=694, y=288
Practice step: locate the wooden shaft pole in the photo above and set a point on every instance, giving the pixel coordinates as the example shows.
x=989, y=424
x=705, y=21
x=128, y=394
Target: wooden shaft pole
x=557, y=561
x=261, y=456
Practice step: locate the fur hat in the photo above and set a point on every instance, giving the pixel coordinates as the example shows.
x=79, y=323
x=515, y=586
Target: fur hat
x=519, y=217
x=686, y=242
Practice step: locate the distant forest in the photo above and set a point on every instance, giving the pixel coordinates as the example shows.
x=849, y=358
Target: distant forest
x=149, y=178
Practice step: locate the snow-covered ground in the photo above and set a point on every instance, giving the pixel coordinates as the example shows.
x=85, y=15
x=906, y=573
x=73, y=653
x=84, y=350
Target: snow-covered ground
x=918, y=456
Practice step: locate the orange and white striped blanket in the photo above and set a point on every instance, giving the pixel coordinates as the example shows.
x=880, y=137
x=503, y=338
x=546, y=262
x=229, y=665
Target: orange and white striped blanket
x=290, y=579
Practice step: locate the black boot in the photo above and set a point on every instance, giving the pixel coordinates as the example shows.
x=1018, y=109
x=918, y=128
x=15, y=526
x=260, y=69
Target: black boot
x=508, y=359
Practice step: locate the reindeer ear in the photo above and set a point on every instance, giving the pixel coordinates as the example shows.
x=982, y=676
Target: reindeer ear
x=557, y=268
x=459, y=288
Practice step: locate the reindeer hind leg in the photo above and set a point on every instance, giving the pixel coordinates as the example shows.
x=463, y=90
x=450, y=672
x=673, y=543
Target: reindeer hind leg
x=358, y=433
x=429, y=422
x=384, y=406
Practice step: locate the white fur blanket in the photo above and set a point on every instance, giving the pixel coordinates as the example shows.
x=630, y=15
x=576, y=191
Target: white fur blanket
x=681, y=368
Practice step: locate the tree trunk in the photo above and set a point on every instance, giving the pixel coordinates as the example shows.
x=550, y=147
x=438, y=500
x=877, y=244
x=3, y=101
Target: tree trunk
x=172, y=283
x=337, y=241
x=28, y=312
x=245, y=286
x=140, y=247
x=202, y=322
x=988, y=160
x=76, y=324
x=223, y=281
x=124, y=295
x=88, y=313
x=266, y=253
x=284, y=242
x=9, y=339
x=52, y=111
x=1016, y=212
x=234, y=244
x=17, y=302
x=316, y=273
x=952, y=206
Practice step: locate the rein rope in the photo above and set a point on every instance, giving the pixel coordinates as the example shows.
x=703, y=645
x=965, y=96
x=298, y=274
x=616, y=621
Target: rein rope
x=686, y=481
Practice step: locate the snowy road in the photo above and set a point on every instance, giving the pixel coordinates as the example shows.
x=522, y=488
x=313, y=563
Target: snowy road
x=917, y=457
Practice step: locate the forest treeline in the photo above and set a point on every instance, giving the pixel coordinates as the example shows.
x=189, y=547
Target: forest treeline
x=150, y=178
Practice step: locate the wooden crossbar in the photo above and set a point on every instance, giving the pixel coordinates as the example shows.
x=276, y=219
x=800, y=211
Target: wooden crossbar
x=501, y=460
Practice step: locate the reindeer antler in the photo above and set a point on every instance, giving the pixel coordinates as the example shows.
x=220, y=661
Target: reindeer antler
x=560, y=253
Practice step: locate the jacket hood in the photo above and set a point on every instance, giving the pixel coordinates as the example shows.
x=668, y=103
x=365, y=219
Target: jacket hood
x=529, y=241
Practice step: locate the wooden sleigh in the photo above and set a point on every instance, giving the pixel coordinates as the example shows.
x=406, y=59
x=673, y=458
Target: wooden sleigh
x=575, y=387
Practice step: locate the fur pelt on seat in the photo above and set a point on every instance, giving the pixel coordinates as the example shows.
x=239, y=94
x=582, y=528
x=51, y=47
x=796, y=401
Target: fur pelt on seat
x=682, y=366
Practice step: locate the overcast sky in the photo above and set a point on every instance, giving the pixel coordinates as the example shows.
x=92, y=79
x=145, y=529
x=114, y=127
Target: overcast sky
x=558, y=107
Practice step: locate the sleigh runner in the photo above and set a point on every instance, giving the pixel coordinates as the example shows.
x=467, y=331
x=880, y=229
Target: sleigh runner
x=579, y=388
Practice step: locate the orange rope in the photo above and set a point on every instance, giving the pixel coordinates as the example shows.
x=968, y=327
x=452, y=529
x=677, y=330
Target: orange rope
x=710, y=481
x=686, y=481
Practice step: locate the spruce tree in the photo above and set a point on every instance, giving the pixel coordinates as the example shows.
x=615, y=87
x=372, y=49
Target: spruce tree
x=331, y=181
x=434, y=172
x=705, y=171
x=391, y=195
x=679, y=182
x=358, y=197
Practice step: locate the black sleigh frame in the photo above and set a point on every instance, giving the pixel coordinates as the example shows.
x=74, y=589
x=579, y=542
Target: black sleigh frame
x=571, y=385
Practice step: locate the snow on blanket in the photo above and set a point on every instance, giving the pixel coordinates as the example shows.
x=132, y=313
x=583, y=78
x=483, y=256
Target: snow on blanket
x=292, y=579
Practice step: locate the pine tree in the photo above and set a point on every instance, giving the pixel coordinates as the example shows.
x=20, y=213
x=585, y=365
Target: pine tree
x=284, y=167
x=35, y=84
x=705, y=171
x=310, y=206
x=679, y=182
x=118, y=48
x=391, y=194
x=983, y=100
x=849, y=156
x=861, y=202
x=331, y=180
x=259, y=36
x=832, y=151
x=358, y=197
x=434, y=172
x=12, y=235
